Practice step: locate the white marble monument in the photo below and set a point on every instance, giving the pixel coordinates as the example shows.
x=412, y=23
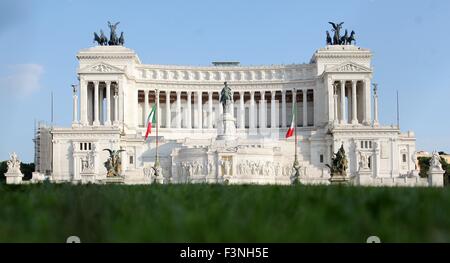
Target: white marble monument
x=13, y=175
x=435, y=172
x=199, y=142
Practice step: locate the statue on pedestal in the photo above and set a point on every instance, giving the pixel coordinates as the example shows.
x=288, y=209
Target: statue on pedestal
x=13, y=175
x=435, y=173
x=339, y=165
x=229, y=122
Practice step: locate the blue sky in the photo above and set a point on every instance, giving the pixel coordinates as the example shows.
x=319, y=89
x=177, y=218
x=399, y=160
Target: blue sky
x=39, y=41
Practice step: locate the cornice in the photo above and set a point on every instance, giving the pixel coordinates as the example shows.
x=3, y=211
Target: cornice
x=216, y=86
x=272, y=74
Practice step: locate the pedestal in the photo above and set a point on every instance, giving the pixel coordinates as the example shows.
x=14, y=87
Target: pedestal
x=14, y=177
x=364, y=177
x=114, y=180
x=338, y=179
x=436, y=177
x=37, y=177
x=229, y=127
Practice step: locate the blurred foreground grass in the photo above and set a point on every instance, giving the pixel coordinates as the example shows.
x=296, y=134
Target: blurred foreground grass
x=216, y=213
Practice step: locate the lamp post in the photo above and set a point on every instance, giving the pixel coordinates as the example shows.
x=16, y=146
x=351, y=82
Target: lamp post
x=296, y=166
x=75, y=105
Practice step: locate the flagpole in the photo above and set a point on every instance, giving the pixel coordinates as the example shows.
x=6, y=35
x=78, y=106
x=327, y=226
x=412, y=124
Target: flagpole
x=295, y=128
x=398, y=113
x=51, y=110
x=157, y=120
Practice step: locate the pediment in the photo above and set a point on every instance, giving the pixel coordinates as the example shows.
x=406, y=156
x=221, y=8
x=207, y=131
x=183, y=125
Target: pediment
x=350, y=67
x=101, y=68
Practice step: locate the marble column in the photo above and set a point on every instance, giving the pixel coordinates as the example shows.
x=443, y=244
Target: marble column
x=342, y=101
x=241, y=110
x=178, y=115
x=354, y=114
x=305, y=107
x=252, y=116
x=199, y=110
x=273, y=122
x=145, y=113
x=210, y=110
x=168, y=113
x=283, y=109
x=108, y=103
x=220, y=115
x=83, y=102
x=335, y=102
x=96, y=121
x=189, y=110
x=100, y=106
x=262, y=110
x=116, y=109
x=367, y=99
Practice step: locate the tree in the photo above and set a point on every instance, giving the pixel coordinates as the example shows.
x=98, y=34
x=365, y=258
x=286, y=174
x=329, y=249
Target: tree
x=26, y=168
x=3, y=170
x=446, y=167
x=424, y=163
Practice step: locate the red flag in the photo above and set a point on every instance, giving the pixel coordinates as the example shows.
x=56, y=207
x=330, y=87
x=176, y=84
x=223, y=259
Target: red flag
x=150, y=119
x=291, y=129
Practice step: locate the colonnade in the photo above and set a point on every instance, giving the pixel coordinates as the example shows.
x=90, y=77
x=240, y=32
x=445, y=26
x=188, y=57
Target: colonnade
x=99, y=104
x=351, y=101
x=202, y=110
x=199, y=109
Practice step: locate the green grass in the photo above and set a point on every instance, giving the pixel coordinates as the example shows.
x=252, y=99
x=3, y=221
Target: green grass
x=216, y=213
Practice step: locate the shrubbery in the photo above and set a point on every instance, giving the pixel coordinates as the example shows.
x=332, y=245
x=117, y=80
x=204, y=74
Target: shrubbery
x=424, y=163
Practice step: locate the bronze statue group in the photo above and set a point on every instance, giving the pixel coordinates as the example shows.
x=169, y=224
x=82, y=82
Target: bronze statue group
x=337, y=38
x=102, y=40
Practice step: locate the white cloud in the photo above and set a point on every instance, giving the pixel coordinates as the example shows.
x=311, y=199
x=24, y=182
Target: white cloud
x=21, y=79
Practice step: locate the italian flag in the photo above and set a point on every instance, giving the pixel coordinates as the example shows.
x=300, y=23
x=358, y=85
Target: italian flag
x=150, y=119
x=291, y=129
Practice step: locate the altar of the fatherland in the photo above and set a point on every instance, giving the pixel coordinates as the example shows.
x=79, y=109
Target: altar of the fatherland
x=330, y=101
